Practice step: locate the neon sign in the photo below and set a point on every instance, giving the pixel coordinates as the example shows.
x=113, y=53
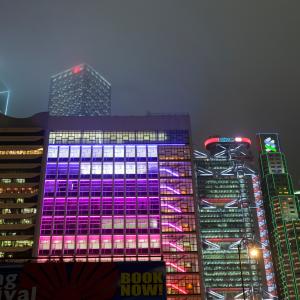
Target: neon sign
x=270, y=145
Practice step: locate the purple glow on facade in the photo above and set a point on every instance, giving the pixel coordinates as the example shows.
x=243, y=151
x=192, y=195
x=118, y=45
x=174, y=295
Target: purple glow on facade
x=122, y=202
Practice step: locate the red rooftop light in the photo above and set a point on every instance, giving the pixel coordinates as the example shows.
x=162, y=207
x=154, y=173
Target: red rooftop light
x=226, y=140
x=77, y=69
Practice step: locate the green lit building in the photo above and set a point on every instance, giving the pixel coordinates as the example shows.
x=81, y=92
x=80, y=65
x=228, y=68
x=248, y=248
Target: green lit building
x=282, y=212
x=230, y=215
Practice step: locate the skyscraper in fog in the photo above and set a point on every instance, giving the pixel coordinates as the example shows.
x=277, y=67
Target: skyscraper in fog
x=79, y=91
x=4, y=98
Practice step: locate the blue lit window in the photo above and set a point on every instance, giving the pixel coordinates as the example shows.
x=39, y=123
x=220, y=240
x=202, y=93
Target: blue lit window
x=108, y=151
x=86, y=151
x=96, y=168
x=97, y=151
x=52, y=151
x=130, y=151
x=64, y=151
x=119, y=151
x=119, y=168
x=85, y=168
x=130, y=168
x=141, y=168
x=152, y=151
x=75, y=151
x=141, y=151
x=108, y=168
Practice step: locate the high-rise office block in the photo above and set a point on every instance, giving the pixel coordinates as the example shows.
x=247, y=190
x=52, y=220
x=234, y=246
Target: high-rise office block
x=4, y=98
x=79, y=91
x=21, y=153
x=121, y=189
x=231, y=220
x=282, y=211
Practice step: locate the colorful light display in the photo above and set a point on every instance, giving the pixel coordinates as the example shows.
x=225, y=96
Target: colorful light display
x=228, y=193
x=116, y=202
x=282, y=211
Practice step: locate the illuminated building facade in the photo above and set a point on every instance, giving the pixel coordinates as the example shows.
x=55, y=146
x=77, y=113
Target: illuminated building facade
x=79, y=91
x=231, y=218
x=4, y=98
x=282, y=211
x=121, y=189
x=21, y=153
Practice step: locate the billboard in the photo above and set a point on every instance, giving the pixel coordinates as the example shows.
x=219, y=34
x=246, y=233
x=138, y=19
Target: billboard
x=83, y=281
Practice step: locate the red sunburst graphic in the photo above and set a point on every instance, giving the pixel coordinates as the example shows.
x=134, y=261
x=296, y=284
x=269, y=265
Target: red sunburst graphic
x=76, y=281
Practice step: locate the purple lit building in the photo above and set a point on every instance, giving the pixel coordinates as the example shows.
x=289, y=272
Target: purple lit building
x=121, y=189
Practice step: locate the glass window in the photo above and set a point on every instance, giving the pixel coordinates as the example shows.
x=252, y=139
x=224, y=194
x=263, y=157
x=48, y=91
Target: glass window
x=130, y=168
x=75, y=151
x=130, y=151
x=152, y=151
x=52, y=151
x=108, y=168
x=86, y=151
x=141, y=168
x=119, y=151
x=64, y=151
x=119, y=168
x=97, y=151
x=141, y=151
x=108, y=151
x=85, y=168
x=96, y=168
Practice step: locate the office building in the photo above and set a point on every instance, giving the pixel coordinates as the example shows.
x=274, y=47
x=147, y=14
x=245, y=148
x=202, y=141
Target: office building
x=282, y=211
x=21, y=157
x=121, y=189
x=231, y=221
x=4, y=98
x=79, y=91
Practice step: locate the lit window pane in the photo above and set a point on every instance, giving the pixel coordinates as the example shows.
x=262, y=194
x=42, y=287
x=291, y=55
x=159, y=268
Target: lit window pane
x=64, y=151
x=75, y=151
x=85, y=168
x=108, y=168
x=152, y=151
x=97, y=151
x=52, y=151
x=119, y=151
x=86, y=151
x=119, y=168
x=141, y=151
x=130, y=168
x=108, y=151
x=96, y=168
x=141, y=168
x=130, y=151
x=152, y=167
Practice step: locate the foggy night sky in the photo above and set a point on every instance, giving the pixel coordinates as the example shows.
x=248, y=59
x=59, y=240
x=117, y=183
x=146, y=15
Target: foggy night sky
x=233, y=65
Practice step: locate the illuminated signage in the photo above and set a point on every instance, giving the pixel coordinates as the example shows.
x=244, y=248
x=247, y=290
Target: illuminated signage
x=227, y=140
x=270, y=145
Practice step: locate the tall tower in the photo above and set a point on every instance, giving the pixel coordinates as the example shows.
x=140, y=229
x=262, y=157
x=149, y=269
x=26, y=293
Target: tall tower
x=230, y=217
x=282, y=211
x=79, y=91
x=4, y=98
